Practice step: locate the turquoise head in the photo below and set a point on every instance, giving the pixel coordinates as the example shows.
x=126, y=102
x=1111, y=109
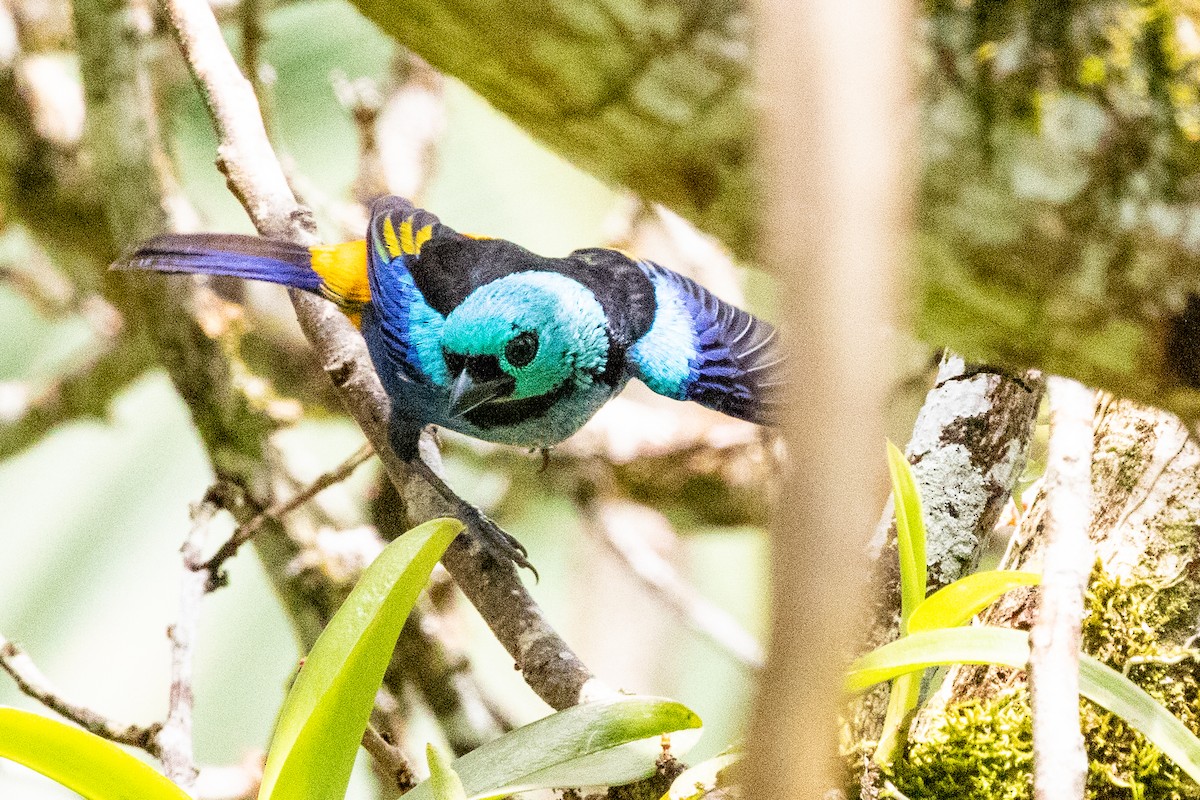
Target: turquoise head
x=520, y=344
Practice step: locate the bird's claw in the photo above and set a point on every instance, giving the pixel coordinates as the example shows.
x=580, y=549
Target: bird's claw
x=499, y=543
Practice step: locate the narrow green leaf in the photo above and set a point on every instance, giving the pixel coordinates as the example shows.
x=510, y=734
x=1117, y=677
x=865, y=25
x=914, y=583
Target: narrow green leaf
x=83, y=762
x=955, y=604
x=910, y=534
x=326, y=711
x=443, y=779
x=902, y=701
x=697, y=781
x=603, y=743
x=949, y=607
x=978, y=645
x=1098, y=682
x=1108, y=688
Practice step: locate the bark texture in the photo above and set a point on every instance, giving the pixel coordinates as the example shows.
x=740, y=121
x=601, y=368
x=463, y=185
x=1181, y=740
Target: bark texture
x=1059, y=760
x=967, y=451
x=647, y=94
x=1142, y=604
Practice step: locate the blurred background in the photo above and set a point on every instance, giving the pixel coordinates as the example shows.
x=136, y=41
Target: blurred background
x=92, y=514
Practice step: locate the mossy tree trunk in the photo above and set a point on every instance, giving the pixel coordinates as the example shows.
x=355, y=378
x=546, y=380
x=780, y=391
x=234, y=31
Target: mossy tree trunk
x=1143, y=604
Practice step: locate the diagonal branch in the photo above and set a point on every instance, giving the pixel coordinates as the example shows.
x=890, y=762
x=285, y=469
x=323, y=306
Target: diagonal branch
x=245, y=532
x=256, y=178
x=30, y=680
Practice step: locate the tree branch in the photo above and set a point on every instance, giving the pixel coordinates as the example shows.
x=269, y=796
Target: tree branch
x=34, y=683
x=1059, y=758
x=175, y=738
x=835, y=132
x=967, y=450
x=256, y=178
x=1067, y=212
x=651, y=99
x=390, y=759
x=245, y=532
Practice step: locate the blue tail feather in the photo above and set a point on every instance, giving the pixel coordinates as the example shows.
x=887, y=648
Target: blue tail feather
x=248, y=257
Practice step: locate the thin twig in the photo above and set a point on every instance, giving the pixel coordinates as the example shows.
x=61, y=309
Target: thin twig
x=656, y=574
x=256, y=178
x=245, y=532
x=30, y=680
x=175, y=738
x=1059, y=758
x=389, y=758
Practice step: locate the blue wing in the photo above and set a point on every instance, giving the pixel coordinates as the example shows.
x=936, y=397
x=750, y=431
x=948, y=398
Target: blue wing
x=403, y=331
x=700, y=348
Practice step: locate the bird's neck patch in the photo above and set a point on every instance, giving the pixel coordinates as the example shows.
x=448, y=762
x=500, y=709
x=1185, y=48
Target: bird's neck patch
x=665, y=356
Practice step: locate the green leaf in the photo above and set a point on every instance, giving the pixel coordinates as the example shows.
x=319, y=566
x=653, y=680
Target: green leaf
x=442, y=777
x=955, y=604
x=326, y=711
x=1098, y=682
x=979, y=645
x=701, y=779
x=83, y=762
x=910, y=543
x=910, y=534
x=1108, y=688
x=603, y=743
x=902, y=701
x=951, y=606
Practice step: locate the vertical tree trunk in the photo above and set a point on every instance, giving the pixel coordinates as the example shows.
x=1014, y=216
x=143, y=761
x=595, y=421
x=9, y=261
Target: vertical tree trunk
x=835, y=127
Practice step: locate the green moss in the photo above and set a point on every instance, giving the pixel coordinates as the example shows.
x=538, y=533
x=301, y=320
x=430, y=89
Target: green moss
x=978, y=749
x=982, y=749
x=1131, y=626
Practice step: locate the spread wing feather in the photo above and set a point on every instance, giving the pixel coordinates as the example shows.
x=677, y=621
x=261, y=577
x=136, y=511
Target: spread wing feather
x=706, y=350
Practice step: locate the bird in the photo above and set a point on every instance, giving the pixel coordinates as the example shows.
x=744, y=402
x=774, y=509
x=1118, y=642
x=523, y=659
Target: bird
x=482, y=336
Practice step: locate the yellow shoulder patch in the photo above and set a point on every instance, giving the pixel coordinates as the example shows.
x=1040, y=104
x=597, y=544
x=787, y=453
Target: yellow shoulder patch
x=408, y=241
x=343, y=269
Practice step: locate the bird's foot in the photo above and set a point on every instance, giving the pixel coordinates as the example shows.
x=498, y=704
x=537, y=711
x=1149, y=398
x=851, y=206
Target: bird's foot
x=495, y=541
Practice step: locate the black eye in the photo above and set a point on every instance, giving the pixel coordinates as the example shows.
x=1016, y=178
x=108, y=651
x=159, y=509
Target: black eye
x=521, y=349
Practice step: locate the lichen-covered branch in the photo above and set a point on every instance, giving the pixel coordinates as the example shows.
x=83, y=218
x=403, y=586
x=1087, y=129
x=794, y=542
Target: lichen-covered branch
x=653, y=96
x=967, y=451
x=1056, y=213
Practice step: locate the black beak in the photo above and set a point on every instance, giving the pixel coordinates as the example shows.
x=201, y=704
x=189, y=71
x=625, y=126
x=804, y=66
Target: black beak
x=467, y=394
